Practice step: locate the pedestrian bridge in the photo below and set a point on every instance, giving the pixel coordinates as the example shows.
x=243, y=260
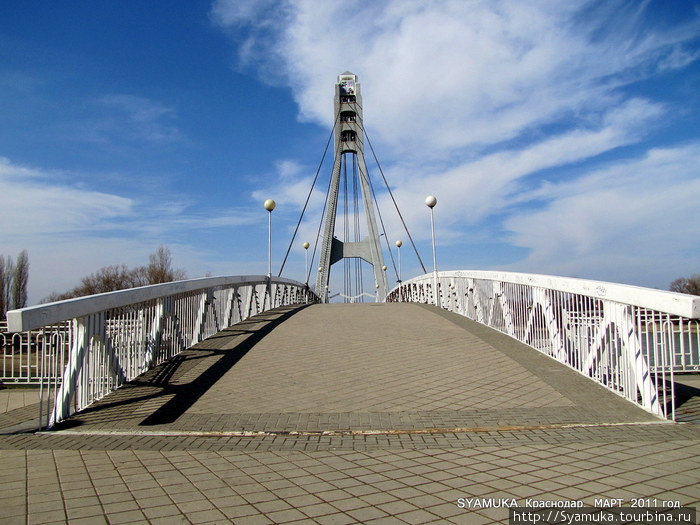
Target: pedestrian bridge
x=390, y=357
x=241, y=399
x=364, y=369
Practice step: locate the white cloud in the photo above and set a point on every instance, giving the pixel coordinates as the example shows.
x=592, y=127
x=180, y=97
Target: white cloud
x=472, y=191
x=632, y=221
x=147, y=119
x=678, y=58
x=71, y=231
x=240, y=12
x=455, y=74
x=123, y=119
x=34, y=205
x=289, y=186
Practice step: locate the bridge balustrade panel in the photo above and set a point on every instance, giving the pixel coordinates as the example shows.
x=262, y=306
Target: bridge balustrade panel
x=80, y=350
x=632, y=340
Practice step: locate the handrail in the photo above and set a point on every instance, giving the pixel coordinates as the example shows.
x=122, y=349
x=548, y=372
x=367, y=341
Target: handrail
x=34, y=317
x=629, y=339
x=84, y=348
x=670, y=302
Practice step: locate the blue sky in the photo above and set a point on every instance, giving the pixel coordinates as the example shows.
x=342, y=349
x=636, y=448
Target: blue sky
x=559, y=137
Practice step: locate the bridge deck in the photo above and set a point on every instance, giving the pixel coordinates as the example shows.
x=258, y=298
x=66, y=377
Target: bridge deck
x=344, y=414
x=357, y=367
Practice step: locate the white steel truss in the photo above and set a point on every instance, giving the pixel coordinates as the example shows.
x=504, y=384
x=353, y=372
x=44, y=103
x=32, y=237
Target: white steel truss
x=629, y=339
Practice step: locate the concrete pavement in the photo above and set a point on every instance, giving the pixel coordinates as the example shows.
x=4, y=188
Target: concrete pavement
x=392, y=413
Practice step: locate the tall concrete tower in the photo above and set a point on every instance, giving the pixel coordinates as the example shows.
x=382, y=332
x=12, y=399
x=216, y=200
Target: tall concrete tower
x=349, y=151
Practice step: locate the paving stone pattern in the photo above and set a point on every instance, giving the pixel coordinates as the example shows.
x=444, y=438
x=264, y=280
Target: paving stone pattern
x=15, y=398
x=346, y=414
x=687, y=390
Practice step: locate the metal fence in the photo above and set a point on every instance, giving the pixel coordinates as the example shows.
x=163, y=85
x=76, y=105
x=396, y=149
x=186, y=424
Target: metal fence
x=630, y=339
x=79, y=350
x=19, y=356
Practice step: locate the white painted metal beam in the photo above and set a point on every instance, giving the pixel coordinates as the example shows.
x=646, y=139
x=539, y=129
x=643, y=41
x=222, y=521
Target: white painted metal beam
x=45, y=314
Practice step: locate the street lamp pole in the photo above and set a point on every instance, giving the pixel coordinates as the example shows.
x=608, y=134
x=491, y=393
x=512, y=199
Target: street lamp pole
x=398, y=253
x=306, y=258
x=431, y=201
x=269, y=206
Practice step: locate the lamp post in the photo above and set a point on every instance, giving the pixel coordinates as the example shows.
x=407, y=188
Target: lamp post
x=430, y=202
x=306, y=258
x=398, y=253
x=269, y=205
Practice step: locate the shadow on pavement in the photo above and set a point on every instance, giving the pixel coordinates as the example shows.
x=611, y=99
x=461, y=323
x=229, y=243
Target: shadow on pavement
x=165, y=376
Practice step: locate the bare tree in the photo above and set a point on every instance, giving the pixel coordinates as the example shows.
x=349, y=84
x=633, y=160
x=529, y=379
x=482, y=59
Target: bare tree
x=159, y=269
x=3, y=301
x=689, y=285
x=119, y=277
x=20, y=279
x=6, y=286
x=107, y=279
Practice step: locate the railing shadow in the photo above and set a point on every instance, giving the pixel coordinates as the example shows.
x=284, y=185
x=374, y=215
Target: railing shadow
x=183, y=396
x=687, y=401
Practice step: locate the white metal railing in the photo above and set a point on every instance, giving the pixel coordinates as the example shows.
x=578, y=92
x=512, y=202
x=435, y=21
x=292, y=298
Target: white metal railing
x=79, y=350
x=355, y=298
x=629, y=339
x=19, y=356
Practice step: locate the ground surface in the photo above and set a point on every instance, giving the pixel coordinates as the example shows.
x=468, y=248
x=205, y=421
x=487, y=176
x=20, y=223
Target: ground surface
x=346, y=414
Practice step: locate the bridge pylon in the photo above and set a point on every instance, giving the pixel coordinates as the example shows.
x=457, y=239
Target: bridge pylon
x=349, y=151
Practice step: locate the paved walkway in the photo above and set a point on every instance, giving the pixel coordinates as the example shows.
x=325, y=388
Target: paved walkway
x=389, y=413
x=15, y=398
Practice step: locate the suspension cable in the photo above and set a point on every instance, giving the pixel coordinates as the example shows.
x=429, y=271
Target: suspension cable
x=357, y=171
x=381, y=221
x=393, y=199
x=359, y=280
x=307, y=201
x=347, y=286
x=318, y=233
